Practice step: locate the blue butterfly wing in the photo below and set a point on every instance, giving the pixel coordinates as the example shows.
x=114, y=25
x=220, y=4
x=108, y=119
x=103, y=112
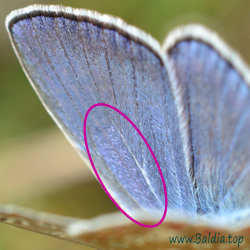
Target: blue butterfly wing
x=75, y=61
x=216, y=97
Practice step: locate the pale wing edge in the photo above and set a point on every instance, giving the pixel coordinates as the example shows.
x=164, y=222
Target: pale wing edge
x=103, y=20
x=201, y=33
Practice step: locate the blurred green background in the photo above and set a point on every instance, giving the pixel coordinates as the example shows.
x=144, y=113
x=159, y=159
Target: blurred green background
x=39, y=169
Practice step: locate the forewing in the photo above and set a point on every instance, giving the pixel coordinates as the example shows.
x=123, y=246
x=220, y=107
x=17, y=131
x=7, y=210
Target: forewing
x=77, y=58
x=214, y=84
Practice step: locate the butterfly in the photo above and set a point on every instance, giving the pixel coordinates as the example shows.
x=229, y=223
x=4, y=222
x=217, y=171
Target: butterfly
x=189, y=98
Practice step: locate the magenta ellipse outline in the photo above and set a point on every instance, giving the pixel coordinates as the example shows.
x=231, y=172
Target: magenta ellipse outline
x=98, y=177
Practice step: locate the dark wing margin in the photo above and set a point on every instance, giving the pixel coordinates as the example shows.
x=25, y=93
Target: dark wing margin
x=214, y=86
x=76, y=58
